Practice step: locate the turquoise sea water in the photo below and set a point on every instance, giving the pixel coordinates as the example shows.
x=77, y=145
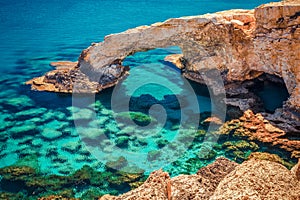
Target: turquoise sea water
x=62, y=137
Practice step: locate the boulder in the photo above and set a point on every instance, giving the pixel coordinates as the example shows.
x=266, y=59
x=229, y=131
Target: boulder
x=258, y=179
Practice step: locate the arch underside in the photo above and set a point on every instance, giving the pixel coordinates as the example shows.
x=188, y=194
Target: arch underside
x=236, y=43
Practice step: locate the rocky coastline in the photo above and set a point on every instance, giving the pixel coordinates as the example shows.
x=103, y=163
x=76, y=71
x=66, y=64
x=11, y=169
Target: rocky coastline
x=261, y=177
x=241, y=44
x=224, y=179
x=245, y=48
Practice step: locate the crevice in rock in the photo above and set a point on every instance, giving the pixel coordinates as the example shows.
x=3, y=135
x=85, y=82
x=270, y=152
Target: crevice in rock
x=271, y=90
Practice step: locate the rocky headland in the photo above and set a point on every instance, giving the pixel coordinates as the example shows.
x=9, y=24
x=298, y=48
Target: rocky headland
x=241, y=44
x=247, y=47
x=244, y=48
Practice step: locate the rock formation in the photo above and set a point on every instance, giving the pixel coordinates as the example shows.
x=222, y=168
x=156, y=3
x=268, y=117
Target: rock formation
x=255, y=127
x=198, y=186
x=223, y=179
x=241, y=43
x=68, y=78
x=258, y=179
x=296, y=170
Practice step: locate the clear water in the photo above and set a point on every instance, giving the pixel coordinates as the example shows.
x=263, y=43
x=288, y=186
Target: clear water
x=34, y=33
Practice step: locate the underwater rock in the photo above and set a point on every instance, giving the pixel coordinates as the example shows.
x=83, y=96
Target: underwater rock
x=57, y=125
x=122, y=141
x=14, y=173
x=51, y=134
x=256, y=128
x=142, y=141
x=91, y=194
x=142, y=103
x=83, y=159
x=112, y=127
x=23, y=130
x=138, y=117
x=153, y=155
x=11, y=196
x=71, y=147
x=206, y=153
x=37, y=142
x=19, y=102
x=130, y=177
x=94, y=134
x=258, y=179
x=83, y=114
x=241, y=145
x=59, y=159
x=31, y=112
x=118, y=164
x=162, y=142
x=52, y=151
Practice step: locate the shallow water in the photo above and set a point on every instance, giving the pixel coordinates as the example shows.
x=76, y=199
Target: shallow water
x=66, y=132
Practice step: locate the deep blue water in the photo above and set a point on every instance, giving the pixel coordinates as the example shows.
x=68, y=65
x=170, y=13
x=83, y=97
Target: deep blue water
x=36, y=32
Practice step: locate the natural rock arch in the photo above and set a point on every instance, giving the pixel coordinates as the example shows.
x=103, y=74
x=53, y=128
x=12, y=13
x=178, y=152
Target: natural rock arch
x=236, y=42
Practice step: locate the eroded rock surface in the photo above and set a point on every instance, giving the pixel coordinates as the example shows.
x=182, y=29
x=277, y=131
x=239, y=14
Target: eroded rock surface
x=241, y=43
x=223, y=179
x=258, y=179
x=256, y=127
x=67, y=78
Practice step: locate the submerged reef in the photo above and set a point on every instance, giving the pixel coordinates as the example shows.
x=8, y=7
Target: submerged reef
x=19, y=181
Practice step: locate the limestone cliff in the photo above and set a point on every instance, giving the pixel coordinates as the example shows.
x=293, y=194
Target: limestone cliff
x=241, y=43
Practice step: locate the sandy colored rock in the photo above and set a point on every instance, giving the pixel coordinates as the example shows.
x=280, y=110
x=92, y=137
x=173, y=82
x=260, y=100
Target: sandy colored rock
x=258, y=179
x=63, y=64
x=296, y=170
x=242, y=43
x=256, y=127
x=214, y=120
x=176, y=59
x=159, y=186
x=68, y=78
x=202, y=184
x=155, y=187
x=223, y=179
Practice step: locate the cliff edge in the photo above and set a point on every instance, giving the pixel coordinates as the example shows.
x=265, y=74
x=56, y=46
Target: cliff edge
x=242, y=44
